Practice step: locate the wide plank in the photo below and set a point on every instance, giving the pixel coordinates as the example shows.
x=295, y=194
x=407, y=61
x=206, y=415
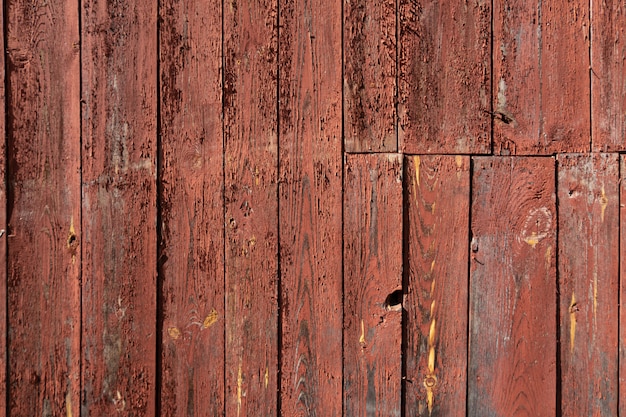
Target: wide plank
x=310, y=208
x=444, y=76
x=608, y=75
x=43, y=212
x=191, y=247
x=119, y=79
x=369, y=75
x=512, y=351
x=540, y=81
x=372, y=285
x=588, y=234
x=437, y=198
x=251, y=207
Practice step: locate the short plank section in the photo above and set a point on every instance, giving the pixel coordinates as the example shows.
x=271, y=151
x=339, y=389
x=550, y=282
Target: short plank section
x=251, y=199
x=310, y=207
x=369, y=82
x=608, y=75
x=444, y=76
x=191, y=257
x=44, y=214
x=372, y=285
x=622, y=290
x=119, y=55
x=588, y=227
x=541, y=77
x=512, y=352
x=437, y=198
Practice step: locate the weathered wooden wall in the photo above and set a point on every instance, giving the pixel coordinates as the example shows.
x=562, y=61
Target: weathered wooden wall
x=312, y=208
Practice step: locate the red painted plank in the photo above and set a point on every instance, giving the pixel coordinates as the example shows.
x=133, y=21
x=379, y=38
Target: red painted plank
x=437, y=190
x=622, y=290
x=541, y=77
x=608, y=75
x=251, y=170
x=119, y=56
x=3, y=232
x=444, y=76
x=192, y=229
x=372, y=285
x=310, y=207
x=512, y=351
x=588, y=282
x=44, y=215
x=369, y=82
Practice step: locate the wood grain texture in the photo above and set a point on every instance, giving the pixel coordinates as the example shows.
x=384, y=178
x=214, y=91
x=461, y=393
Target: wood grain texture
x=119, y=55
x=44, y=215
x=310, y=207
x=437, y=190
x=608, y=75
x=622, y=291
x=369, y=81
x=541, y=77
x=251, y=199
x=588, y=237
x=191, y=255
x=444, y=76
x=372, y=272
x=3, y=230
x=512, y=351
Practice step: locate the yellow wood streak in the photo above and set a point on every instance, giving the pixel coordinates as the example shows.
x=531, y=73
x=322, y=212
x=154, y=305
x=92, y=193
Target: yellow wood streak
x=173, y=332
x=239, y=383
x=595, y=294
x=267, y=377
x=362, y=338
x=417, y=162
x=532, y=240
x=68, y=405
x=604, y=201
x=572, y=322
x=71, y=237
x=210, y=319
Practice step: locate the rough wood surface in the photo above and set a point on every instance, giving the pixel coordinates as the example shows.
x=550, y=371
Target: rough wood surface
x=512, y=351
x=437, y=215
x=44, y=215
x=588, y=238
x=3, y=231
x=251, y=168
x=541, y=77
x=310, y=207
x=372, y=285
x=622, y=290
x=119, y=78
x=191, y=257
x=608, y=75
x=444, y=76
x=369, y=82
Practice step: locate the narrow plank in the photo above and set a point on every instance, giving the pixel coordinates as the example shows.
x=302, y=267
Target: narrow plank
x=310, y=207
x=192, y=214
x=3, y=230
x=437, y=190
x=372, y=285
x=608, y=75
x=588, y=269
x=444, y=76
x=541, y=77
x=512, y=350
x=119, y=48
x=251, y=205
x=369, y=82
x=622, y=290
x=44, y=215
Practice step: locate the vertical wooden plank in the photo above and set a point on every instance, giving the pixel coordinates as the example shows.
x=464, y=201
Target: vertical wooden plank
x=372, y=285
x=437, y=190
x=119, y=61
x=444, y=76
x=608, y=75
x=3, y=229
x=192, y=213
x=44, y=215
x=588, y=227
x=369, y=82
x=541, y=77
x=512, y=351
x=310, y=207
x=622, y=290
x=251, y=200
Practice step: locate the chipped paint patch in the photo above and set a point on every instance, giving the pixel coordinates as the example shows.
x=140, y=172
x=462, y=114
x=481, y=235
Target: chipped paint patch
x=572, y=322
x=239, y=383
x=173, y=332
x=210, y=319
x=604, y=201
x=362, y=337
x=595, y=294
x=417, y=162
x=267, y=377
x=68, y=405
